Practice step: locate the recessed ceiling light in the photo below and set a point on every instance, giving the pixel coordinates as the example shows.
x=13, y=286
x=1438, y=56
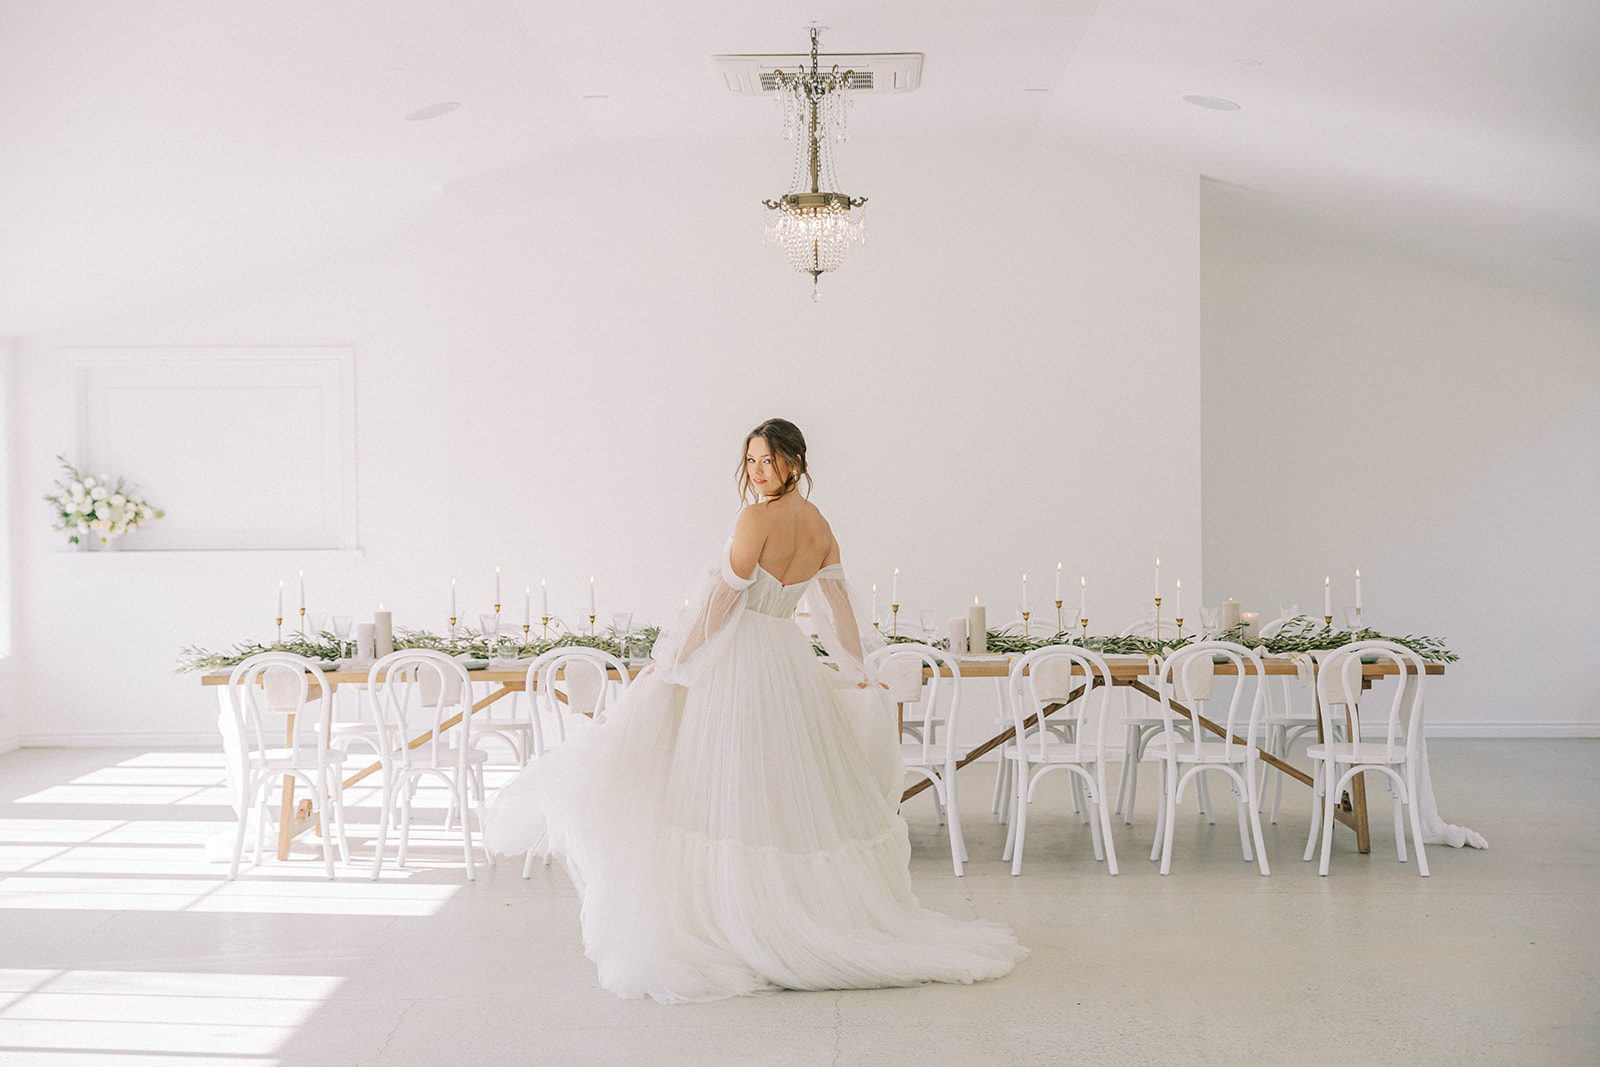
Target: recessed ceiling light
x=433, y=111
x=1215, y=103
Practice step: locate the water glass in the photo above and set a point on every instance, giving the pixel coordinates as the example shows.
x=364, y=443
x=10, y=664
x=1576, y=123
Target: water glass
x=622, y=623
x=929, y=622
x=341, y=631
x=1352, y=619
x=313, y=624
x=490, y=624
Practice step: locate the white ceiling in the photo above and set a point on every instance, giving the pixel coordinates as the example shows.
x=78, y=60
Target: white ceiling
x=149, y=149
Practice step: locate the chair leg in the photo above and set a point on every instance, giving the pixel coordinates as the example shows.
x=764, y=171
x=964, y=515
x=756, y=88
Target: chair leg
x=958, y=842
x=1172, y=818
x=1399, y=826
x=405, y=822
x=1316, y=808
x=1416, y=829
x=1330, y=798
x=1241, y=801
x=1202, y=799
x=1011, y=827
x=463, y=787
x=1255, y=830
x=1130, y=762
x=238, y=839
x=1019, y=817
x=1103, y=812
x=383, y=826
x=1097, y=838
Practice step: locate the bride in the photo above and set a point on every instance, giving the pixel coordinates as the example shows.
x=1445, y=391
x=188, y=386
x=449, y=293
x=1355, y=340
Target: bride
x=732, y=826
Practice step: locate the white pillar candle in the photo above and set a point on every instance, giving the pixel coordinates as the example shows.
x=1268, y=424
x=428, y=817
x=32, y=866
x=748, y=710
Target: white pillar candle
x=365, y=645
x=1177, y=601
x=977, y=629
x=1358, y=590
x=544, y=599
x=382, y=632
x=894, y=589
x=958, y=635
x=1230, y=614
x=1327, y=596
x=1250, y=621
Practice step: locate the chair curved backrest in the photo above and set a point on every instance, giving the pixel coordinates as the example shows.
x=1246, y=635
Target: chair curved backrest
x=583, y=674
x=272, y=685
x=1339, y=683
x=1051, y=675
x=420, y=692
x=916, y=672
x=1186, y=677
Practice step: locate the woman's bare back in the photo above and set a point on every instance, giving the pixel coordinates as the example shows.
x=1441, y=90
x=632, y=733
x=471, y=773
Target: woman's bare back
x=788, y=538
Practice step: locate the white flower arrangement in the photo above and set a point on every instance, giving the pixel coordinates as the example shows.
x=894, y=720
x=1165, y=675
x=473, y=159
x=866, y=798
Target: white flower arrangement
x=89, y=506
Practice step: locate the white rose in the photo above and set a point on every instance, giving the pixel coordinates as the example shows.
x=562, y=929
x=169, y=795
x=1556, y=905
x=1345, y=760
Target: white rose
x=77, y=488
x=118, y=499
x=83, y=527
x=97, y=493
x=89, y=482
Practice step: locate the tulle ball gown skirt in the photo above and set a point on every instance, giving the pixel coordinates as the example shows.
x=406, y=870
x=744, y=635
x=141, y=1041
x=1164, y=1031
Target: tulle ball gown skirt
x=742, y=835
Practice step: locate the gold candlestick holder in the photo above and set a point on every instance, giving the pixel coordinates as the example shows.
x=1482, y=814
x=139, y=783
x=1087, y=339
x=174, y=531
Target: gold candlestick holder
x=1327, y=622
x=1084, y=622
x=1059, y=627
x=497, y=607
x=1180, y=627
x=452, y=631
x=280, y=629
x=894, y=622
x=591, y=625
x=1158, y=622
x=544, y=627
x=525, y=628
x=302, y=622
x=1025, y=630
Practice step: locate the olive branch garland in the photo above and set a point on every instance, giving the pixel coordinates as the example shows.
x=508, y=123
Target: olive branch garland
x=324, y=647
x=1300, y=634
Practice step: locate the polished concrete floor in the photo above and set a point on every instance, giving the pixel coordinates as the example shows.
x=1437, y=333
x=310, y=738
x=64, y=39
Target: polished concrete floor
x=121, y=943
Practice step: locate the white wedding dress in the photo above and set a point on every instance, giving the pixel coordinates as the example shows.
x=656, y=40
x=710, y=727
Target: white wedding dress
x=732, y=825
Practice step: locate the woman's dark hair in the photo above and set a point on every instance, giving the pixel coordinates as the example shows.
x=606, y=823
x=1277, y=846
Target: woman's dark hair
x=788, y=445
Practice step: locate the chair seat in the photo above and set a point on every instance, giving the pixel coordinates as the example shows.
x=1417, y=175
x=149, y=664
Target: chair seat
x=1371, y=753
x=1210, y=752
x=284, y=759
x=911, y=753
x=1053, y=753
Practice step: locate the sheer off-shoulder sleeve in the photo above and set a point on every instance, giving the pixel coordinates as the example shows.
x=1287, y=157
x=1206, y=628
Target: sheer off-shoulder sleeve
x=683, y=649
x=842, y=625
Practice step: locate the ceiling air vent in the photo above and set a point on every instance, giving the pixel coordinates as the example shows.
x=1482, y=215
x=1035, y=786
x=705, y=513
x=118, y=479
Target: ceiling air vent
x=891, y=72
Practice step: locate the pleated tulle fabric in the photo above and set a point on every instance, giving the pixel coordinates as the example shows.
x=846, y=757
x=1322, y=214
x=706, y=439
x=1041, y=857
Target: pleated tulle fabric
x=741, y=834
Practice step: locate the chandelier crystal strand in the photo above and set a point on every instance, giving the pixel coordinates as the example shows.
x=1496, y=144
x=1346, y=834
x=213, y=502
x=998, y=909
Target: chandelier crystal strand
x=813, y=223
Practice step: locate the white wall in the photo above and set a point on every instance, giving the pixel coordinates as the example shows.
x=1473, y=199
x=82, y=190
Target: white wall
x=9, y=719
x=555, y=366
x=1436, y=432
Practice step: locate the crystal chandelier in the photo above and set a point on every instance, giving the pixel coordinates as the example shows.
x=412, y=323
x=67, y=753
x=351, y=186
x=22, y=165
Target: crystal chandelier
x=812, y=223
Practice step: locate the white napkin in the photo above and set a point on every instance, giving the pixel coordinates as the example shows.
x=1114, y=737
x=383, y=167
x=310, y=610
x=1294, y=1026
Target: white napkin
x=1052, y=679
x=903, y=676
x=1193, y=680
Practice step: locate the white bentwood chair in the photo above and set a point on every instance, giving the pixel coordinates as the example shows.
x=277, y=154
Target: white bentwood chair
x=416, y=693
x=1036, y=681
x=1142, y=724
x=1286, y=720
x=569, y=688
x=269, y=694
x=1397, y=757
x=902, y=666
x=1186, y=676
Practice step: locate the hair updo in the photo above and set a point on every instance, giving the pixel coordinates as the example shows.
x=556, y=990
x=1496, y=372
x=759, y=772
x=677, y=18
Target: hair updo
x=788, y=447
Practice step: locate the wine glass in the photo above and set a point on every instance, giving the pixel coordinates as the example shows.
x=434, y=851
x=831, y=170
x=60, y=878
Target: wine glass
x=622, y=623
x=341, y=631
x=1352, y=619
x=490, y=624
x=314, y=623
x=929, y=621
x=1209, y=617
x=1288, y=611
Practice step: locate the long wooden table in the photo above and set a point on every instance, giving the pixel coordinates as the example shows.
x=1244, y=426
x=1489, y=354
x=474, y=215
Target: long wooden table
x=1135, y=673
x=1132, y=672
